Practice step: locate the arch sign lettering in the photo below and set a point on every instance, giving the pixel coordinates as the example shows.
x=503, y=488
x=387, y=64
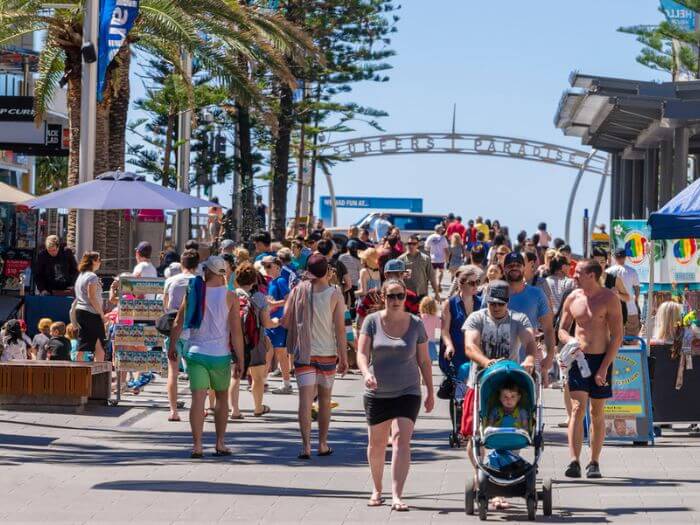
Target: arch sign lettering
x=467, y=144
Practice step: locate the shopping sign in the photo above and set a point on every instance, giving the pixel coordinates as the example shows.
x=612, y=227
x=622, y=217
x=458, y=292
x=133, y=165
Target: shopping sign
x=19, y=132
x=116, y=19
x=676, y=261
x=628, y=414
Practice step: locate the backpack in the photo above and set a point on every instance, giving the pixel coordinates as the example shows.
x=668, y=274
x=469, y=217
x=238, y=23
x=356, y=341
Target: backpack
x=250, y=321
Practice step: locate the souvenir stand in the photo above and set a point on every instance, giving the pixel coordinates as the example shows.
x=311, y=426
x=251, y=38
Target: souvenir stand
x=18, y=242
x=136, y=344
x=676, y=376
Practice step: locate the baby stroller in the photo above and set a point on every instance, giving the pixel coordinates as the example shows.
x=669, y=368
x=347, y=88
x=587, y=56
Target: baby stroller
x=512, y=476
x=458, y=379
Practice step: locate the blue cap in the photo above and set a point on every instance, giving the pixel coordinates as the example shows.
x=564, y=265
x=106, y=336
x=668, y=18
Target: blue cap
x=394, y=265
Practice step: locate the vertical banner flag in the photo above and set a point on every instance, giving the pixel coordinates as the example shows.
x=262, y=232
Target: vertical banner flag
x=679, y=15
x=116, y=19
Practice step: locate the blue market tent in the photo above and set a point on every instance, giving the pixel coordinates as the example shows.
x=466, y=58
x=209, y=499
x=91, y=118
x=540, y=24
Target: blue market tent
x=680, y=217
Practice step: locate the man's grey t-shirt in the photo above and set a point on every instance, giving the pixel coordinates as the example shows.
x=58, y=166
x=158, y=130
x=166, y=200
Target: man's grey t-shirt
x=500, y=338
x=393, y=360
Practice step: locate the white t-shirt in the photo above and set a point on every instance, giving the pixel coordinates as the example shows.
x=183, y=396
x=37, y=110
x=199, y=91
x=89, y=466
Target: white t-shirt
x=176, y=288
x=436, y=245
x=630, y=279
x=145, y=269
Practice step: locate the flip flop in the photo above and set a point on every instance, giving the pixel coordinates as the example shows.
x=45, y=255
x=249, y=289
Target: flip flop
x=376, y=502
x=196, y=455
x=266, y=410
x=176, y=418
x=236, y=417
x=399, y=507
x=328, y=452
x=304, y=456
x=222, y=453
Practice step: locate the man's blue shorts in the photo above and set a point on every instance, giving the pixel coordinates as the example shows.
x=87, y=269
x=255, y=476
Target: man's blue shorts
x=588, y=384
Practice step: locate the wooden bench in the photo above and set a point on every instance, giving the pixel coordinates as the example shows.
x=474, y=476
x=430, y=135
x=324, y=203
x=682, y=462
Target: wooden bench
x=47, y=383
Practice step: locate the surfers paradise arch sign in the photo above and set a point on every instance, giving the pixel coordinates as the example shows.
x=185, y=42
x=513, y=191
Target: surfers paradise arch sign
x=476, y=144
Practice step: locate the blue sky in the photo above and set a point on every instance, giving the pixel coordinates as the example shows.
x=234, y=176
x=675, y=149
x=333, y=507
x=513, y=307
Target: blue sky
x=505, y=65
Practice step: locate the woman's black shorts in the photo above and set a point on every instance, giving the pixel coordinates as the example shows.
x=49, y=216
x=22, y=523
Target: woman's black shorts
x=380, y=409
x=91, y=330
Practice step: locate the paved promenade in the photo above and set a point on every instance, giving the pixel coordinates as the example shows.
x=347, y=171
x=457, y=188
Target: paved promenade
x=128, y=464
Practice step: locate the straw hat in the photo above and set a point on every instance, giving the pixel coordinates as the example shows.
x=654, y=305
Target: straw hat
x=370, y=256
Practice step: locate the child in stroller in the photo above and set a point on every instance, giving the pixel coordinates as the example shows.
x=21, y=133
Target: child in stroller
x=507, y=405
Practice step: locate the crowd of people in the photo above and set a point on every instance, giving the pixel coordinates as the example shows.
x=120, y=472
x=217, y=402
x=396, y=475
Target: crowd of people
x=310, y=307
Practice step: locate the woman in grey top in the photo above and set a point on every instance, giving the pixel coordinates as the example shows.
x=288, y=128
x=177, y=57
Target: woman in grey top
x=393, y=355
x=88, y=307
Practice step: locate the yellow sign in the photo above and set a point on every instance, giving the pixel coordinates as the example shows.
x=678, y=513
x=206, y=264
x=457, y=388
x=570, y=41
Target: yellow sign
x=623, y=410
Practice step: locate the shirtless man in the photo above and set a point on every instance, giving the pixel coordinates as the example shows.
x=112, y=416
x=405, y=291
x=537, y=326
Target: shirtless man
x=598, y=317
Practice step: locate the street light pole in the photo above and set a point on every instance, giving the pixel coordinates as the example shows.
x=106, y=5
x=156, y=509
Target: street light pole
x=88, y=110
x=184, y=135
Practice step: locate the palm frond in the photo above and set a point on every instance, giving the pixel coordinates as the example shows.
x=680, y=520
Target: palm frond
x=51, y=68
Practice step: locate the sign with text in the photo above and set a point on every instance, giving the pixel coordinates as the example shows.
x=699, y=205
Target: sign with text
x=375, y=203
x=628, y=414
x=141, y=285
x=676, y=260
x=679, y=15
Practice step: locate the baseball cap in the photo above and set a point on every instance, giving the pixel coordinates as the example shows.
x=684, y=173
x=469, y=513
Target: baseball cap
x=144, y=247
x=497, y=292
x=215, y=264
x=513, y=257
x=227, y=244
x=394, y=265
x=620, y=252
x=317, y=265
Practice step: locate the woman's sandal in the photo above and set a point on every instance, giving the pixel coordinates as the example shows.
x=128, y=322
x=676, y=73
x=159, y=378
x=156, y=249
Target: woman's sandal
x=399, y=507
x=304, y=455
x=376, y=501
x=174, y=418
x=222, y=453
x=265, y=410
x=196, y=455
x=327, y=452
x=236, y=417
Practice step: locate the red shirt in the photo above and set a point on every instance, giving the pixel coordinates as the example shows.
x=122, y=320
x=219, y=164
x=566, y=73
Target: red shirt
x=456, y=227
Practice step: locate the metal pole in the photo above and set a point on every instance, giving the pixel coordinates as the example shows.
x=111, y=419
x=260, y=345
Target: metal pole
x=334, y=207
x=184, y=132
x=599, y=197
x=574, y=190
x=88, y=110
x=585, y=234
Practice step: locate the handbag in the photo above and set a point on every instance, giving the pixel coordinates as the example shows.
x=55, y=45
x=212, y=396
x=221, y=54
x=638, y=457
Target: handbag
x=164, y=324
x=446, y=389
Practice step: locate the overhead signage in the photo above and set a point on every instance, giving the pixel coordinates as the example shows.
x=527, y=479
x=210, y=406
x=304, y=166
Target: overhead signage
x=116, y=19
x=679, y=15
x=16, y=109
x=462, y=143
x=24, y=135
x=676, y=260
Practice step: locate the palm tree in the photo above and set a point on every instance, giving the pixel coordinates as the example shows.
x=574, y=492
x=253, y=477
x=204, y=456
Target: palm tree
x=216, y=32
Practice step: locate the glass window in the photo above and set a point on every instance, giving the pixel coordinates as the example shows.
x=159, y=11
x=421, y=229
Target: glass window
x=429, y=223
x=405, y=222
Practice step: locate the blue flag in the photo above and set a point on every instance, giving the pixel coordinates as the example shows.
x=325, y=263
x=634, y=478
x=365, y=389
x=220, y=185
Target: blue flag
x=116, y=19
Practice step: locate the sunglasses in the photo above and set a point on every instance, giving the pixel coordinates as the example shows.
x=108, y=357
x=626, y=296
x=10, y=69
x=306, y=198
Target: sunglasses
x=470, y=283
x=396, y=296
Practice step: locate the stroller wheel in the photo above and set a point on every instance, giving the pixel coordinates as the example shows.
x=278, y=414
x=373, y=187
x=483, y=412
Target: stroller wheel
x=469, y=496
x=531, y=507
x=547, y=497
x=483, y=508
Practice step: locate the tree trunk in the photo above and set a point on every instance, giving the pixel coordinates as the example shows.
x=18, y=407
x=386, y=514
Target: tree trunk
x=117, y=239
x=73, y=67
x=280, y=171
x=245, y=166
x=169, y=129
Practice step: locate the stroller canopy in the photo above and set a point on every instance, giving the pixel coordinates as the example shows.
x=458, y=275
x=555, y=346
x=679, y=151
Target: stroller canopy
x=492, y=378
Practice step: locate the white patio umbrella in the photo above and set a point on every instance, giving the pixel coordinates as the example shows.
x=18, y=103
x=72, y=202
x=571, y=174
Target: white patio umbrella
x=12, y=195
x=116, y=190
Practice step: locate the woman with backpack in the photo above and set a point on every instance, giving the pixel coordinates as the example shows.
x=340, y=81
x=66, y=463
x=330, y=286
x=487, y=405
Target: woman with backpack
x=255, y=317
x=210, y=312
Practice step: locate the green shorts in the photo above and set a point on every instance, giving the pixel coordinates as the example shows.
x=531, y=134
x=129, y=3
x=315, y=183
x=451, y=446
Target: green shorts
x=208, y=373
